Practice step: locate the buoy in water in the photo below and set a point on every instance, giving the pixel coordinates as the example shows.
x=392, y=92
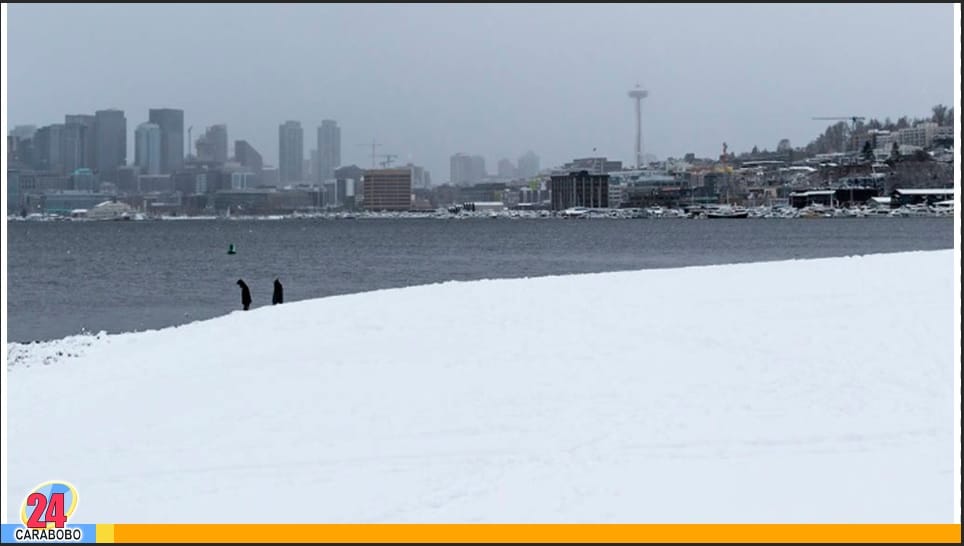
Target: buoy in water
x=231, y=249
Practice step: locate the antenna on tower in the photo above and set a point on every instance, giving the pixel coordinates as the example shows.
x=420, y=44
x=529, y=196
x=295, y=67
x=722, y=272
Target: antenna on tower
x=638, y=94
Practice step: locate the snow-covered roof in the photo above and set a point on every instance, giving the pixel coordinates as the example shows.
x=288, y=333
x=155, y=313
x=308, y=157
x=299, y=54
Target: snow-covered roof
x=813, y=192
x=926, y=191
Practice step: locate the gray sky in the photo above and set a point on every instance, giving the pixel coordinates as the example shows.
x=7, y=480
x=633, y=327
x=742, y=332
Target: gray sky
x=428, y=81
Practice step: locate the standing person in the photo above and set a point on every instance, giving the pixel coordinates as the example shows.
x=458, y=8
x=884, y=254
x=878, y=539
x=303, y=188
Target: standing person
x=279, y=293
x=245, y=294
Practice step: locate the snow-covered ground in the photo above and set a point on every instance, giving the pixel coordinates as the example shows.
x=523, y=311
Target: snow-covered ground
x=798, y=391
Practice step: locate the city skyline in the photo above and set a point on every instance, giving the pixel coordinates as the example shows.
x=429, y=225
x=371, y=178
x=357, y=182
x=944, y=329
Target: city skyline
x=749, y=83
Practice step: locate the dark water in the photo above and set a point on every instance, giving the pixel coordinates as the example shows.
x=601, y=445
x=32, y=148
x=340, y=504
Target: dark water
x=123, y=276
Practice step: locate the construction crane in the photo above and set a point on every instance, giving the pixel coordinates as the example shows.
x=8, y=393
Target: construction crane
x=374, y=145
x=388, y=160
x=851, y=119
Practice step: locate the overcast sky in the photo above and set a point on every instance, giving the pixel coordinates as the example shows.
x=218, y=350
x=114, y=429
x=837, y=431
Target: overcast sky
x=428, y=81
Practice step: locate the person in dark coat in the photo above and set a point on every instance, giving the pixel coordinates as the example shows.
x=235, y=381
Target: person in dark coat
x=245, y=294
x=279, y=293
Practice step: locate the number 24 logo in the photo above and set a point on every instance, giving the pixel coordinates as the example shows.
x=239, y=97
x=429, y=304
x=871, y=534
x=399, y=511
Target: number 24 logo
x=52, y=512
x=49, y=505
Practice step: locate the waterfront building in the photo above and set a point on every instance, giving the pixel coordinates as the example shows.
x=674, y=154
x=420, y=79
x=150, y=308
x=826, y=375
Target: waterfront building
x=579, y=189
x=387, y=189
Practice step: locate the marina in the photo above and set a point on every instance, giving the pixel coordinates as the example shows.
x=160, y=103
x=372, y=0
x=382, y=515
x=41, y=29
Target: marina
x=815, y=210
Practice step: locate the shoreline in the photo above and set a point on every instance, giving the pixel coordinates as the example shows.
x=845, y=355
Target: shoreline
x=660, y=213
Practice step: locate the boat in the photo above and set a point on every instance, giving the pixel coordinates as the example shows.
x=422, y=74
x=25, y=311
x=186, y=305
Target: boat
x=575, y=212
x=728, y=212
x=943, y=208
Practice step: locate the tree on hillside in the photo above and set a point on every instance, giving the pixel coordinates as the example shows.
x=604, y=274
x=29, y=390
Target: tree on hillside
x=903, y=123
x=939, y=114
x=950, y=116
x=894, y=151
x=784, y=145
x=755, y=150
x=833, y=139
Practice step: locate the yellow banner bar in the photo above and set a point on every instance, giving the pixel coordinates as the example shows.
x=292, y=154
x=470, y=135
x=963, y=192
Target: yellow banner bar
x=105, y=532
x=737, y=533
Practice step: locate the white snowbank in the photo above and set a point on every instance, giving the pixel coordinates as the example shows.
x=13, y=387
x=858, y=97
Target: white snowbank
x=801, y=391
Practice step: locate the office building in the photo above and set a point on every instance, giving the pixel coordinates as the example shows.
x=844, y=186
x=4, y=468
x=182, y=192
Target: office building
x=387, y=189
x=171, y=123
x=579, y=189
x=528, y=165
x=216, y=140
x=291, y=152
x=78, y=142
x=111, y=142
x=147, y=148
x=466, y=169
x=507, y=169
x=47, y=146
x=329, y=150
x=247, y=156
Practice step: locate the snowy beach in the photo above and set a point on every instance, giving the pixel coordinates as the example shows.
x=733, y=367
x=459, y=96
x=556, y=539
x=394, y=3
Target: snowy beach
x=794, y=391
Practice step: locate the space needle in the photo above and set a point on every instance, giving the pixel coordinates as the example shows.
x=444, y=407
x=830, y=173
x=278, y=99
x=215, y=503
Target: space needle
x=638, y=95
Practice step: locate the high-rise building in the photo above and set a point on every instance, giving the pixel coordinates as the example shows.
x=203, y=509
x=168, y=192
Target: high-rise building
x=291, y=152
x=387, y=189
x=528, y=165
x=23, y=131
x=459, y=169
x=466, y=169
x=20, y=151
x=421, y=178
x=77, y=144
x=478, y=171
x=217, y=136
x=248, y=157
x=48, y=142
x=171, y=123
x=329, y=149
x=212, y=146
x=111, y=142
x=147, y=148
x=205, y=149
x=506, y=168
